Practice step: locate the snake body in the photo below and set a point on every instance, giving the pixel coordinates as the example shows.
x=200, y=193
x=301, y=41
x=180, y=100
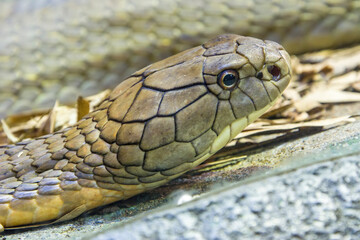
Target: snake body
x=157, y=124
x=60, y=49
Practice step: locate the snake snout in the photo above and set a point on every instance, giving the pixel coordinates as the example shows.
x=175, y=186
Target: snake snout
x=278, y=65
x=246, y=75
x=248, y=72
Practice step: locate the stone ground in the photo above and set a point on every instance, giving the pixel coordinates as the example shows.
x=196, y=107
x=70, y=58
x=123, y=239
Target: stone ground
x=313, y=194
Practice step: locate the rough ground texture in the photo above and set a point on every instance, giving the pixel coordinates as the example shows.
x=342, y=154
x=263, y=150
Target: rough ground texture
x=300, y=205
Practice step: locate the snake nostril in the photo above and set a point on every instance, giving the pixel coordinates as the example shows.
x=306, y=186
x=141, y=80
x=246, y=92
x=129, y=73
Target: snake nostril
x=259, y=75
x=274, y=71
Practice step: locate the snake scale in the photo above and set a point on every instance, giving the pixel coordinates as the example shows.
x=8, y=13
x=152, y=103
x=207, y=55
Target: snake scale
x=60, y=49
x=162, y=120
x=154, y=126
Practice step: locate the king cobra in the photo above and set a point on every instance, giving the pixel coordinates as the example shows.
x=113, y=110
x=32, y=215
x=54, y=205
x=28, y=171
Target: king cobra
x=159, y=123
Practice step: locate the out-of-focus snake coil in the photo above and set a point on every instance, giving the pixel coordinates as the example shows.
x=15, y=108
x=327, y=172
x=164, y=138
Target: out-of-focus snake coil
x=154, y=126
x=60, y=49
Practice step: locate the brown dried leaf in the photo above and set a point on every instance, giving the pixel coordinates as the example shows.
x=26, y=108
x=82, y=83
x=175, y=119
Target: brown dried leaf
x=264, y=127
x=8, y=132
x=329, y=62
x=95, y=100
x=333, y=96
x=356, y=86
x=49, y=124
x=344, y=81
x=83, y=107
x=306, y=104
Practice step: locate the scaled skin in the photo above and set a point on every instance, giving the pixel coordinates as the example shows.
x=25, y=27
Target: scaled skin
x=159, y=123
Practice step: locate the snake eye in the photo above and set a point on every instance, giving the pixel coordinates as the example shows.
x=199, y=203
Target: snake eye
x=274, y=71
x=227, y=79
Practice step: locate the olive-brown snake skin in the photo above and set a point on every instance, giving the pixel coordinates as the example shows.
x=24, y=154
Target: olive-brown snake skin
x=61, y=49
x=164, y=119
x=154, y=126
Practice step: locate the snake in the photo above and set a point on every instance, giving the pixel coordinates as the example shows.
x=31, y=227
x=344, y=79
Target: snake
x=160, y=122
x=62, y=49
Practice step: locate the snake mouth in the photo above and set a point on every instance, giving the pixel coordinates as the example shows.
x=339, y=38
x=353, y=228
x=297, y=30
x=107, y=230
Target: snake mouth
x=229, y=132
x=233, y=129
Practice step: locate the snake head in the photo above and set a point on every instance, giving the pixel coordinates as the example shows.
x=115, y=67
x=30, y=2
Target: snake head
x=174, y=114
x=246, y=75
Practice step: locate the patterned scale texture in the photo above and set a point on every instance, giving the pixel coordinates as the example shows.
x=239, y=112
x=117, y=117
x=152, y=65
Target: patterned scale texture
x=153, y=127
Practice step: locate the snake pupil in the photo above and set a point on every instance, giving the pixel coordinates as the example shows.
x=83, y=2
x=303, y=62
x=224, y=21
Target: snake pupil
x=274, y=71
x=228, y=78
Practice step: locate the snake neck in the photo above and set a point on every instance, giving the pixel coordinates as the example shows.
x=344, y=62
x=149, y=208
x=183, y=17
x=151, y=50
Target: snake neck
x=86, y=155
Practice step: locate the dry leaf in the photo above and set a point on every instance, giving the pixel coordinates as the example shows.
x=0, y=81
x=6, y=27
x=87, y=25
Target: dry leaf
x=49, y=125
x=356, y=86
x=8, y=132
x=334, y=96
x=253, y=129
x=83, y=107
